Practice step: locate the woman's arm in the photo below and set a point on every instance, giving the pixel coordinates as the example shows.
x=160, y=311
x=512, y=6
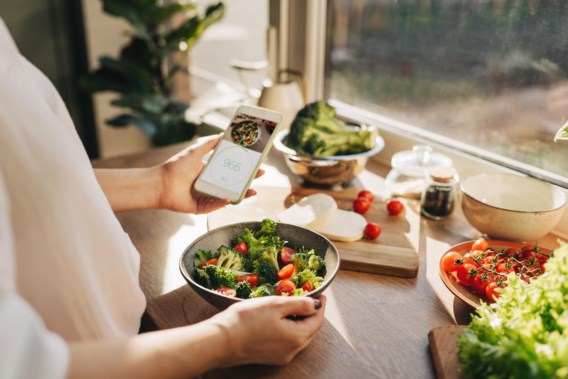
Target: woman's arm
x=254, y=331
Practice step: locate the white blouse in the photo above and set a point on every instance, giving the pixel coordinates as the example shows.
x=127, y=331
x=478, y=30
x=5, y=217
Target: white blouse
x=66, y=266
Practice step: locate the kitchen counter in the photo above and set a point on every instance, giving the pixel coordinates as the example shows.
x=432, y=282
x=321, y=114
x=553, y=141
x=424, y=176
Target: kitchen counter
x=376, y=325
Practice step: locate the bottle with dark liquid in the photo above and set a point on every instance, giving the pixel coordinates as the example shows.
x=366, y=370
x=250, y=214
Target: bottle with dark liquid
x=439, y=196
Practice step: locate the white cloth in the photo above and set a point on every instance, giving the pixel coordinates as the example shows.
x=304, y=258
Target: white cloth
x=71, y=261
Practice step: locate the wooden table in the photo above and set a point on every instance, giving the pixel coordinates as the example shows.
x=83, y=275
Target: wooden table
x=376, y=326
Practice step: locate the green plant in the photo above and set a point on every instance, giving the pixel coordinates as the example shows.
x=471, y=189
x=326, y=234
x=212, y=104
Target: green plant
x=562, y=133
x=143, y=73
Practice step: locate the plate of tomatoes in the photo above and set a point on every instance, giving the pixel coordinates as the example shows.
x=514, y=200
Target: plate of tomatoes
x=475, y=270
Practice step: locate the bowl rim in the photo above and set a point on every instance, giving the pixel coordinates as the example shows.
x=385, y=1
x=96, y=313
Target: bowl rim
x=553, y=189
x=189, y=277
x=279, y=145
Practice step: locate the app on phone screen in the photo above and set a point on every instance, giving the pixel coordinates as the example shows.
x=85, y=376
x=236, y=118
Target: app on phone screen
x=238, y=152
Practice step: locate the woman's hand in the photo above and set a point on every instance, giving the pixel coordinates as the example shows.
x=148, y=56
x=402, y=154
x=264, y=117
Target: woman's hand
x=261, y=330
x=180, y=172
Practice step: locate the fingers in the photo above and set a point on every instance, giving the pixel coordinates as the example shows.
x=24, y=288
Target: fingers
x=259, y=173
x=300, y=306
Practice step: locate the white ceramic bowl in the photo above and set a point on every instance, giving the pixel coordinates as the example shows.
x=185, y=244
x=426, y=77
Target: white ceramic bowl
x=511, y=207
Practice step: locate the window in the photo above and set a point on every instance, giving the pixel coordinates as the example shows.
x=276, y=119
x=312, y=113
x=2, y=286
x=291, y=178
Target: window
x=491, y=75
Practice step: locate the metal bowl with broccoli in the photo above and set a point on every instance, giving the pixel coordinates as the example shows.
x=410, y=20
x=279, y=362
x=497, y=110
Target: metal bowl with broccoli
x=323, y=149
x=254, y=259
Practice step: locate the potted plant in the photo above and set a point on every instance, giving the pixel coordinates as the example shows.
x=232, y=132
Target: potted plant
x=143, y=74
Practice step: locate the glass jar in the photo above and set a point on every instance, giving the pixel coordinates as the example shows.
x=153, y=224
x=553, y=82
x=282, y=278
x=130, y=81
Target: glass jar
x=439, y=196
x=409, y=168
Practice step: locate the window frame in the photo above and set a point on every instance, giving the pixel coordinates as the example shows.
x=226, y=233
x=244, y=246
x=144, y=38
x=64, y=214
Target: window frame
x=305, y=37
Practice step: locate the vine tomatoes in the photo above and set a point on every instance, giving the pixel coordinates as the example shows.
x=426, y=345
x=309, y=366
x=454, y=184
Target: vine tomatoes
x=395, y=207
x=372, y=231
x=366, y=194
x=480, y=244
x=465, y=273
x=361, y=205
x=451, y=261
x=285, y=287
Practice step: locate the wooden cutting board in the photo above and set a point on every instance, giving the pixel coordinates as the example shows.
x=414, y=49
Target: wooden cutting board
x=442, y=341
x=394, y=253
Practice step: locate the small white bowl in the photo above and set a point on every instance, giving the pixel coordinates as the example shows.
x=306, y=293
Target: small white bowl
x=511, y=207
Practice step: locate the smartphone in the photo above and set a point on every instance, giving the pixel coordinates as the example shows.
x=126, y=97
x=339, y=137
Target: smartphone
x=236, y=159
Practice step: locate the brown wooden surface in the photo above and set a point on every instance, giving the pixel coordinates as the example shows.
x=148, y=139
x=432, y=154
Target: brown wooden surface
x=376, y=325
x=444, y=351
x=394, y=253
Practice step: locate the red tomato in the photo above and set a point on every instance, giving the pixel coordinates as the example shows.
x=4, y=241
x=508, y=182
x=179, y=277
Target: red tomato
x=480, y=244
x=361, y=205
x=395, y=207
x=210, y=262
x=465, y=273
x=286, y=254
x=512, y=251
x=251, y=278
x=490, y=292
x=227, y=291
x=478, y=284
x=308, y=287
x=286, y=271
x=367, y=194
x=451, y=261
x=242, y=248
x=285, y=287
x=372, y=231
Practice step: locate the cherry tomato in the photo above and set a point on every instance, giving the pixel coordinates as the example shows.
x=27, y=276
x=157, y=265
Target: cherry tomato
x=478, y=283
x=395, y=207
x=451, y=261
x=308, y=287
x=372, y=231
x=512, y=251
x=227, y=291
x=285, y=287
x=286, y=254
x=286, y=271
x=367, y=194
x=210, y=262
x=490, y=292
x=242, y=248
x=361, y=205
x=465, y=273
x=480, y=244
x=251, y=278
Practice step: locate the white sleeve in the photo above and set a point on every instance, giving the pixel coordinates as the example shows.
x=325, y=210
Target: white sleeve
x=27, y=349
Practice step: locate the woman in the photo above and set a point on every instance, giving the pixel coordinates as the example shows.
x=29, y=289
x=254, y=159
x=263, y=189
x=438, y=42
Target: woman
x=70, y=304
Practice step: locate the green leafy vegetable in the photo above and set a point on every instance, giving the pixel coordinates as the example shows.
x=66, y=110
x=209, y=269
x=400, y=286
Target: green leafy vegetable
x=524, y=334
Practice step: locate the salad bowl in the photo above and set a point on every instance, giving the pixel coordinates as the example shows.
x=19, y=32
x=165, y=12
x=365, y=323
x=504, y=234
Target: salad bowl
x=294, y=235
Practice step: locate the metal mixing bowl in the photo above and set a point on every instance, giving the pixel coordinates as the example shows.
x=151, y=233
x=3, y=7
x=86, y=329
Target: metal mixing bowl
x=326, y=171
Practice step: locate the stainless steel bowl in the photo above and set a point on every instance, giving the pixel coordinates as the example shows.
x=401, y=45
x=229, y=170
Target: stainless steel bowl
x=295, y=235
x=326, y=171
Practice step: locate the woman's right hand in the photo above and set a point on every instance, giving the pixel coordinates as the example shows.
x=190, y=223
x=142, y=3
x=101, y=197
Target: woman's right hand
x=261, y=330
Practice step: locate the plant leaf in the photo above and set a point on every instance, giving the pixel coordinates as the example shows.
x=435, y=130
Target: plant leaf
x=127, y=10
x=161, y=14
x=562, y=133
x=147, y=126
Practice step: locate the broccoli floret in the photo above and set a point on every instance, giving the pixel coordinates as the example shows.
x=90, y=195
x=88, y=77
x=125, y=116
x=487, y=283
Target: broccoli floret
x=202, y=255
x=202, y=278
x=268, y=227
x=230, y=259
x=244, y=289
x=263, y=290
x=305, y=276
x=220, y=277
x=309, y=260
x=316, y=131
x=266, y=272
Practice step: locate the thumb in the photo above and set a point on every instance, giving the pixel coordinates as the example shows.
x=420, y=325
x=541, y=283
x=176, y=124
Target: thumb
x=206, y=144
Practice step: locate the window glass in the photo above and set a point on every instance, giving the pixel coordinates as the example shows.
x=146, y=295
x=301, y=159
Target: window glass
x=491, y=74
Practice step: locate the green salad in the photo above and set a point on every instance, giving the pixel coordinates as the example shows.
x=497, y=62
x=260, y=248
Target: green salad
x=259, y=263
x=524, y=334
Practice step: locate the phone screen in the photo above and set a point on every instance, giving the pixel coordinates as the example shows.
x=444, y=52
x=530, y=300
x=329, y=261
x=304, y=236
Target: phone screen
x=239, y=153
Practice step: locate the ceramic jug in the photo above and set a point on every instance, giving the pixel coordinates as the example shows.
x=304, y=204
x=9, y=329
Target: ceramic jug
x=284, y=96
